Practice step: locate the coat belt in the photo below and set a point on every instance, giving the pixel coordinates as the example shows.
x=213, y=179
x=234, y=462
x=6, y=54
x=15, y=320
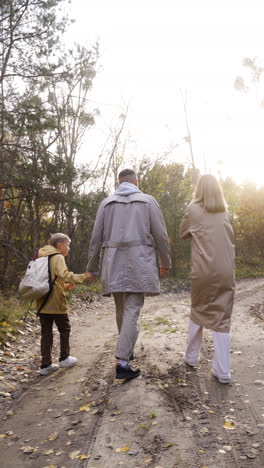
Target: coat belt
x=134, y=243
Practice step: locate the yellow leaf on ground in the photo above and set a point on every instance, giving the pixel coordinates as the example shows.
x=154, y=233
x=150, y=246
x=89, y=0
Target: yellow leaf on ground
x=229, y=425
x=53, y=436
x=2, y=436
x=84, y=457
x=86, y=407
x=125, y=448
x=168, y=444
x=74, y=455
x=48, y=452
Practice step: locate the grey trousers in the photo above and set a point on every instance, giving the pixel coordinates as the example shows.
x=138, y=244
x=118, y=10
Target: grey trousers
x=128, y=306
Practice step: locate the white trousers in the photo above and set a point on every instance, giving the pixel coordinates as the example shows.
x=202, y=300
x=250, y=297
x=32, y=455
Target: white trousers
x=221, y=362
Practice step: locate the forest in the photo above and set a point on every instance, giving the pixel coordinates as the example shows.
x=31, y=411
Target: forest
x=45, y=114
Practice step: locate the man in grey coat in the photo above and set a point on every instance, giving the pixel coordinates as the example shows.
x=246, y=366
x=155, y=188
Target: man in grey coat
x=129, y=227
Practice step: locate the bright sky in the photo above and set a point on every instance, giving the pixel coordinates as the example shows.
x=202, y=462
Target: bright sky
x=152, y=51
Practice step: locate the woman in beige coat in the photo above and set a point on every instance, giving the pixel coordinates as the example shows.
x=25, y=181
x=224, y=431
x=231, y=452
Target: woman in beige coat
x=206, y=222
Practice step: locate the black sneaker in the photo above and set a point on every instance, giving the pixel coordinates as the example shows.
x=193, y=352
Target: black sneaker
x=126, y=372
x=132, y=357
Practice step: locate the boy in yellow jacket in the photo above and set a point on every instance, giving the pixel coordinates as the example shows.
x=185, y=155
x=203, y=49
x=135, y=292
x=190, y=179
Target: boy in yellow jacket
x=56, y=309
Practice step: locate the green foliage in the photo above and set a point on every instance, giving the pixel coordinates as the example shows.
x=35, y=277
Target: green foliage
x=11, y=317
x=161, y=321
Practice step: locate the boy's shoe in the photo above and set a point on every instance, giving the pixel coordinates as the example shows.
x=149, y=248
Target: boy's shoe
x=192, y=364
x=220, y=379
x=132, y=357
x=48, y=370
x=126, y=372
x=70, y=361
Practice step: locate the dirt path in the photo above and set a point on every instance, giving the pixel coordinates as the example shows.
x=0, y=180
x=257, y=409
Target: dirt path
x=171, y=416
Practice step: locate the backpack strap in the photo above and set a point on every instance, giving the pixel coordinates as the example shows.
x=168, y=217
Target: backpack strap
x=51, y=282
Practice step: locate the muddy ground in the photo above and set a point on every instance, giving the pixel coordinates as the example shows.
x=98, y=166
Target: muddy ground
x=171, y=416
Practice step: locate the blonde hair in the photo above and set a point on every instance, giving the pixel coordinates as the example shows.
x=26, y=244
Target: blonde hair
x=58, y=237
x=208, y=191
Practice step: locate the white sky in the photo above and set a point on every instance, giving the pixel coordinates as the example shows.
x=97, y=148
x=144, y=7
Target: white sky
x=151, y=50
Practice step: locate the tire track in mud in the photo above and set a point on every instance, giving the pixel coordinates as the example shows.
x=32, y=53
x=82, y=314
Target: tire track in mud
x=208, y=403
x=105, y=384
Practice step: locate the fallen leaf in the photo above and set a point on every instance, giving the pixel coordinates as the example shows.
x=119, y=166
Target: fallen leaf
x=202, y=451
x=227, y=448
x=53, y=436
x=167, y=445
x=49, y=452
x=221, y=451
x=2, y=436
x=229, y=425
x=86, y=407
x=125, y=448
x=148, y=461
x=74, y=455
x=84, y=457
x=71, y=432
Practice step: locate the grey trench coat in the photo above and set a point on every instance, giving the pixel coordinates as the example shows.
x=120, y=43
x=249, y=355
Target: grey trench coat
x=129, y=227
x=212, y=266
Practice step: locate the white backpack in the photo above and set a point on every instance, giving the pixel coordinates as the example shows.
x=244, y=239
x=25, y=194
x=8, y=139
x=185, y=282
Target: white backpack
x=37, y=281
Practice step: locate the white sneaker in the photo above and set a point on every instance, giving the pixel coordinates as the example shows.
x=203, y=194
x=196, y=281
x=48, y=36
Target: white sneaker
x=192, y=364
x=48, y=370
x=70, y=361
x=220, y=379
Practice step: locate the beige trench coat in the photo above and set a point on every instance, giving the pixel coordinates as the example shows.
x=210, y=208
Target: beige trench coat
x=212, y=266
x=57, y=302
x=130, y=228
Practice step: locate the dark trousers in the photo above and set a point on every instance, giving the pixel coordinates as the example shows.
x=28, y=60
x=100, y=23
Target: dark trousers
x=64, y=327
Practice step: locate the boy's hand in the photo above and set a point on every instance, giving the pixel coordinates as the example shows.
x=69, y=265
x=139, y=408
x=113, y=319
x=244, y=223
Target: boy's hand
x=164, y=272
x=71, y=287
x=90, y=277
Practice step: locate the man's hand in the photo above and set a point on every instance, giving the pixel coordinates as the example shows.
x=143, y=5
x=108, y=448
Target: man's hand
x=90, y=277
x=164, y=272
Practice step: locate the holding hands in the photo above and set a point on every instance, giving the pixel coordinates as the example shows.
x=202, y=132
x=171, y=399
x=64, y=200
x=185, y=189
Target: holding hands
x=90, y=277
x=164, y=272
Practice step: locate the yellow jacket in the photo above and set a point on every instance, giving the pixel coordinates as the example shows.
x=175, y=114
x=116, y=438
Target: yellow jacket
x=57, y=302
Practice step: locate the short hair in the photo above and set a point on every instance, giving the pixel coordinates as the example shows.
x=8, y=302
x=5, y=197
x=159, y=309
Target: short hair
x=127, y=175
x=58, y=237
x=208, y=191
